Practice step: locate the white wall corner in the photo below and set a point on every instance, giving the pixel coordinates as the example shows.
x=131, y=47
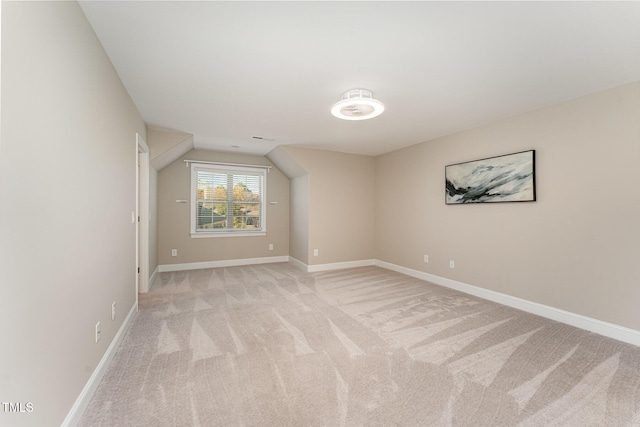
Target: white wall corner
x=299, y=264
x=173, y=153
x=153, y=277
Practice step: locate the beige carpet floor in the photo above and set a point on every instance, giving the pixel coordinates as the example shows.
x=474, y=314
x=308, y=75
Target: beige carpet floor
x=269, y=345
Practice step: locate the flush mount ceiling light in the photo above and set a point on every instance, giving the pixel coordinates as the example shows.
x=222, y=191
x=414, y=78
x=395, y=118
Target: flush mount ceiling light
x=357, y=104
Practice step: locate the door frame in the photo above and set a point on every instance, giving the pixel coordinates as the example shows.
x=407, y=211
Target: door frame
x=142, y=216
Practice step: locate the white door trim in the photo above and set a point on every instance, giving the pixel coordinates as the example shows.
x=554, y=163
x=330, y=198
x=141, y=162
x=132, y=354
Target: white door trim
x=142, y=214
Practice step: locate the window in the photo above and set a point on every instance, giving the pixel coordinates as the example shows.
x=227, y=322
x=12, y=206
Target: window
x=227, y=200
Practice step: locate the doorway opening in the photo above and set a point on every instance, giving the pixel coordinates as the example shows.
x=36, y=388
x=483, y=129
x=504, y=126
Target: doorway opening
x=142, y=216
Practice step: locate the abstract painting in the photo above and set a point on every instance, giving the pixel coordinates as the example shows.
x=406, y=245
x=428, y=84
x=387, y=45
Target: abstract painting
x=508, y=178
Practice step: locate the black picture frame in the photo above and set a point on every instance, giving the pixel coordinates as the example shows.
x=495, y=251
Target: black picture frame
x=500, y=179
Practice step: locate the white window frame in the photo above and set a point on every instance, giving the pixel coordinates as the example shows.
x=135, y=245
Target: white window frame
x=227, y=232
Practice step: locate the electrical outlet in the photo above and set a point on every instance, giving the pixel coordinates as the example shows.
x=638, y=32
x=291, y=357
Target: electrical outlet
x=98, y=332
x=452, y=264
x=270, y=246
x=315, y=252
x=113, y=311
x=174, y=252
x=426, y=259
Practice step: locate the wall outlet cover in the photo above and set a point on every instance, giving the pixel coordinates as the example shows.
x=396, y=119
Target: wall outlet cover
x=98, y=332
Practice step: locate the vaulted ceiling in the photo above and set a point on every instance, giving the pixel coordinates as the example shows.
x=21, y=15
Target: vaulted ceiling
x=228, y=71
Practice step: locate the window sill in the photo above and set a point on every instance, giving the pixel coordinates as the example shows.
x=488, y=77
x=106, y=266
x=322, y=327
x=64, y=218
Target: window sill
x=205, y=235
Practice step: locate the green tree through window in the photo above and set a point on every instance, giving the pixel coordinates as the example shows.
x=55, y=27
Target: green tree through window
x=219, y=210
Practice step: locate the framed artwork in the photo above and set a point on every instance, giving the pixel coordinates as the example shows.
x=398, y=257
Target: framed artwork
x=508, y=178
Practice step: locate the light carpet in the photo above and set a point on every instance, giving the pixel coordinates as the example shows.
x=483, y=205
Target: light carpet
x=269, y=345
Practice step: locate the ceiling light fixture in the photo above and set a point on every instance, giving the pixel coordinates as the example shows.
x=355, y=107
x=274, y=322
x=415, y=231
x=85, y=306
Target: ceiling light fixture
x=357, y=104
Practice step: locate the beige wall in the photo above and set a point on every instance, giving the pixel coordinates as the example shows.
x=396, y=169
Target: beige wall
x=160, y=141
x=577, y=248
x=299, y=202
x=67, y=190
x=340, y=204
x=153, y=220
x=166, y=146
x=299, y=223
x=174, y=183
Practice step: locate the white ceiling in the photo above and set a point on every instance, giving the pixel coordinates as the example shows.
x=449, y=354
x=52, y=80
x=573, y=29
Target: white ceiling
x=227, y=71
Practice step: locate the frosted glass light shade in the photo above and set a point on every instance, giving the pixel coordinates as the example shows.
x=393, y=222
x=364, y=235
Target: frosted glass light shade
x=357, y=104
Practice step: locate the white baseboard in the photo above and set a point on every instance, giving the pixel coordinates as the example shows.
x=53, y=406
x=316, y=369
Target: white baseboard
x=299, y=264
x=340, y=265
x=77, y=410
x=153, y=277
x=610, y=330
x=332, y=266
x=225, y=263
